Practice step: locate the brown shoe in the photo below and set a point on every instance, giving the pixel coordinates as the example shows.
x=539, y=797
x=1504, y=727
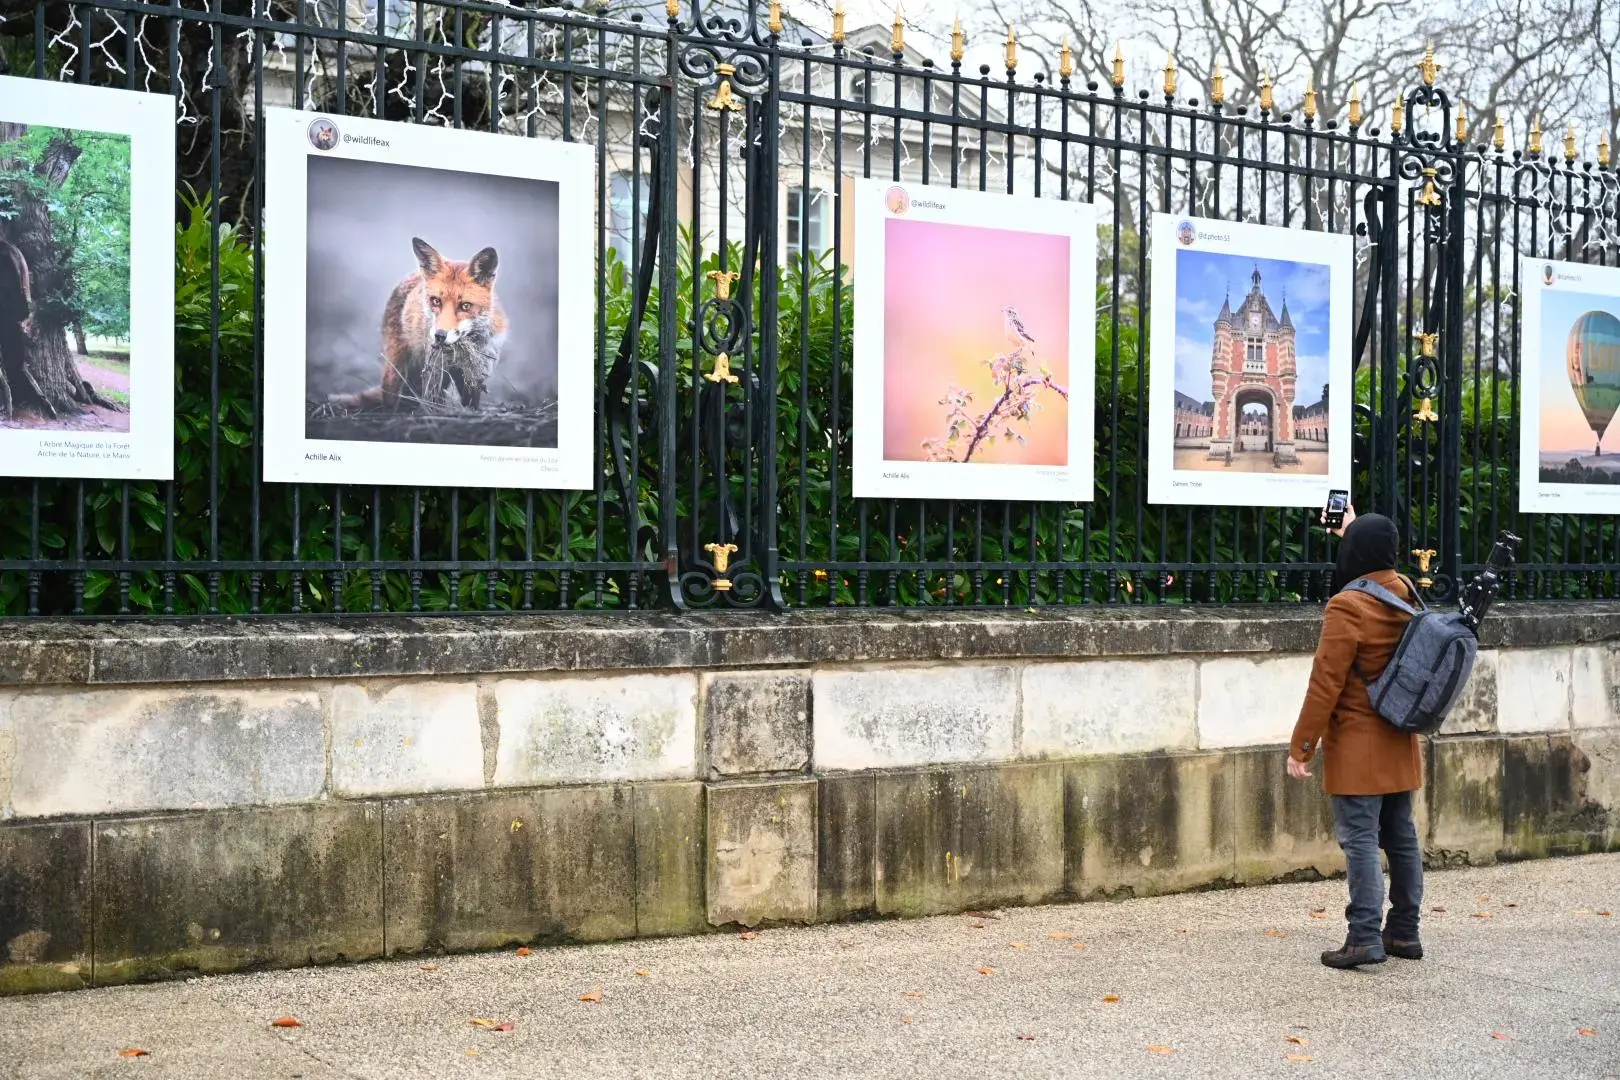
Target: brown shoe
x=1406, y=950
x=1349, y=956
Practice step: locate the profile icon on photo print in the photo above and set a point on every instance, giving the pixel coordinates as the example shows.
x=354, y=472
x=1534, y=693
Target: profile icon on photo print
x=323, y=134
x=1186, y=233
x=1548, y=274
x=897, y=200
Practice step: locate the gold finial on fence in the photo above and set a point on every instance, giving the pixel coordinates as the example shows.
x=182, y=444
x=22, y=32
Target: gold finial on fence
x=672, y=8
x=1462, y=124
x=1603, y=150
x=1012, y=49
x=1355, y=105
x=1499, y=136
x=1310, y=99
x=1569, y=144
x=722, y=369
x=1065, y=59
x=775, y=23
x=838, y=23
x=1535, y=136
x=1217, y=85
x=1119, y=65
x=1169, y=76
x=1265, y=92
x=897, y=34
x=1424, y=556
x=723, y=280
x=723, y=98
x=1397, y=117
x=1430, y=195
x=722, y=554
x=1427, y=67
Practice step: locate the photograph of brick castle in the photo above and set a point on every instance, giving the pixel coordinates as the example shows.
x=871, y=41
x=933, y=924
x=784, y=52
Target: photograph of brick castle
x=1241, y=371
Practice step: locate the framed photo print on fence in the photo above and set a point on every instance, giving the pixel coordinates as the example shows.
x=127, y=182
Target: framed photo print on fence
x=428, y=305
x=1569, y=380
x=86, y=281
x=1251, y=367
x=975, y=344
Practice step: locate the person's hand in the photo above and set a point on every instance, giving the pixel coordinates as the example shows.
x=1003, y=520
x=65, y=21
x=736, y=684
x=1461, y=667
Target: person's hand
x=1299, y=770
x=1349, y=516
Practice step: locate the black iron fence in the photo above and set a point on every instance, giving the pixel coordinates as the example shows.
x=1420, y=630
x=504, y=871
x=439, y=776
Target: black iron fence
x=724, y=137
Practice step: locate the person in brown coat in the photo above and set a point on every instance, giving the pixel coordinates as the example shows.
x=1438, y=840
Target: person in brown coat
x=1370, y=769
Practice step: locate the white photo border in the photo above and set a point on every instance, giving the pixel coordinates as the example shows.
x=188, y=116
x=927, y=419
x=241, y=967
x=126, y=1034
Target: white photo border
x=146, y=451
x=1536, y=497
x=291, y=457
x=877, y=478
x=1170, y=486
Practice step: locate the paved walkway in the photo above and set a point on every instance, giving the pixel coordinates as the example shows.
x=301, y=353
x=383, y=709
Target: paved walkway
x=1523, y=980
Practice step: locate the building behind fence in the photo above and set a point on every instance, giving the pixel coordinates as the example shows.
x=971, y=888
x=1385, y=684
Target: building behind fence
x=724, y=139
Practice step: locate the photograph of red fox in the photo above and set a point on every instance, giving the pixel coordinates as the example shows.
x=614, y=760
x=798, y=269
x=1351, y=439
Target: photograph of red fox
x=432, y=306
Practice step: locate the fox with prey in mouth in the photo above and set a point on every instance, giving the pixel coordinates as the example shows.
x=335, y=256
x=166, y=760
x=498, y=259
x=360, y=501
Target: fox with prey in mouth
x=442, y=321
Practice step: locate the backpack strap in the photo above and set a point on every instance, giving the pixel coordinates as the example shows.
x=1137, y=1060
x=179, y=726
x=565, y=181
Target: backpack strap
x=1378, y=592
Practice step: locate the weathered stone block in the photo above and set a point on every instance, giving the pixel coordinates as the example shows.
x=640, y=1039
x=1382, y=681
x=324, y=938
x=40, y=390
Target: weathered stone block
x=1284, y=826
x=1600, y=778
x=236, y=889
x=757, y=722
x=1532, y=690
x=1245, y=702
x=1465, y=800
x=915, y=716
x=409, y=738
x=1595, y=687
x=491, y=869
x=115, y=751
x=44, y=907
x=1545, y=809
x=846, y=847
x=762, y=852
x=630, y=727
x=669, y=859
x=1110, y=707
x=954, y=839
x=1475, y=711
x=1155, y=823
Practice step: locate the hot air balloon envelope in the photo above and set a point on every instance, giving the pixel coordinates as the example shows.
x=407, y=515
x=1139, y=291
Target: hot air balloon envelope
x=1593, y=356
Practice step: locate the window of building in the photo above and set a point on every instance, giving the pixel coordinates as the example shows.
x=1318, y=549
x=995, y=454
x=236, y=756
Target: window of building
x=1254, y=357
x=628, y=201
x=806, y=219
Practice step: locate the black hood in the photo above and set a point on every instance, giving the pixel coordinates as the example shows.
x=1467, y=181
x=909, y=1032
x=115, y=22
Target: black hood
x=1368, y=546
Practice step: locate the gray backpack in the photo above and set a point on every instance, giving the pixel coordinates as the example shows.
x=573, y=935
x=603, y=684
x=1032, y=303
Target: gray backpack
x=1430, y=667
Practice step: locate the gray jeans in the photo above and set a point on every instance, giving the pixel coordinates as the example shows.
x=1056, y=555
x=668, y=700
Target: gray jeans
x=1363, y=824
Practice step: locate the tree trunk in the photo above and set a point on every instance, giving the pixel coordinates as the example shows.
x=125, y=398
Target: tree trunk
x=36, y=363
x=79, y=343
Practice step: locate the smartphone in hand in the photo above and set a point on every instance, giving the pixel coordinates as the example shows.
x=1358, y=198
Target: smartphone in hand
x=1333, y=512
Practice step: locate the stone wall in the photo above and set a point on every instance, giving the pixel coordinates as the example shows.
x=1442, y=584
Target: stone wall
x=195, y=799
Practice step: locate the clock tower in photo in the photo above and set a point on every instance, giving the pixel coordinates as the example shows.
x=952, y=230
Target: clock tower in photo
x=1252, y=365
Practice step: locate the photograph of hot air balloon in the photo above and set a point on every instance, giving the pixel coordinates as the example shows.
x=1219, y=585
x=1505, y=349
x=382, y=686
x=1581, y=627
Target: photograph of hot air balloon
x=1570, y=374
x=974, y=344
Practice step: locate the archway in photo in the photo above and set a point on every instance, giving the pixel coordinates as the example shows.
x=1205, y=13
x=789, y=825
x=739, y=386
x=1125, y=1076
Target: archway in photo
x=1254, y=417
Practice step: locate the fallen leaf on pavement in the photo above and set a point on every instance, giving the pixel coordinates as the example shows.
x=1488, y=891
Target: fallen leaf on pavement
x=1018, y=945
x=987, y=971
x=1059, y=936
x=1081, y=947
x=1276, y=933
x=749, y=935
x=643, y=972
x=907, y=1020
x=1483, y=898
x=1510, y=905
x=285, y=1022
x=1502, y=1035
x=911, y=993
x=1606, y=913
x=1438, y=910
x=1481, y=915
x=591, y=995
x=1026, y=1037
x=976, y=925
x=472, y=1053
x=427, y=967
x=1297, y=1040
x=1587, y=1031
x=525, y=951
x=1297, y=1057
x=1111, y=999
x=505, y=1025
x=1161, y=1050
x=133, y=1051
x=479, y=1022
x=1181, y=929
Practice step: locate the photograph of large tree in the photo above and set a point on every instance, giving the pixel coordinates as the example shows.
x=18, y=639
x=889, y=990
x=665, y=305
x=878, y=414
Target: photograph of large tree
x=64, y=278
